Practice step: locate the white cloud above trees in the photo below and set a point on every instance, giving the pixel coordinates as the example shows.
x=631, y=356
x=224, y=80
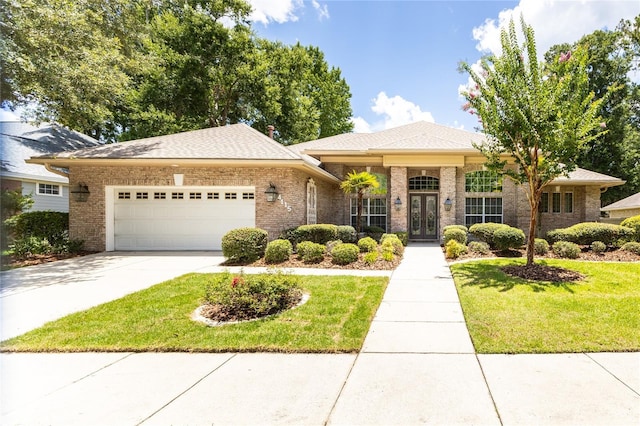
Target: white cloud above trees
x=281, y=11
x=394, y=111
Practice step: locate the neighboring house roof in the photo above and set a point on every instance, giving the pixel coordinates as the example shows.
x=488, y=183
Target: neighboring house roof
x=631, y=202
x=215, y=145
x=587, y=177
x=20, y=141
x=419, y=136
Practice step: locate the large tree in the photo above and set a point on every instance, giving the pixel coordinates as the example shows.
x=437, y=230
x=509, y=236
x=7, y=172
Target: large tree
x=537, y=115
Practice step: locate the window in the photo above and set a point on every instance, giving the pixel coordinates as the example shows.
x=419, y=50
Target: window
x=142, y=195
x=159, y=195
x=195, y=196
x=568, y=202
x=177, y=196
x=482, y=210
x=230, y=196
x=213, y=196
x=482, y=181
x=124, y=195
x=555, y=203
x=248, y=196
x=49, y=189
x=543, y=207
x=374, y=212
x=424, y=183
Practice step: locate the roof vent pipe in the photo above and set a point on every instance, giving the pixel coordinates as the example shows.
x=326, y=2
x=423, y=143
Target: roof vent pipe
x=270, y=128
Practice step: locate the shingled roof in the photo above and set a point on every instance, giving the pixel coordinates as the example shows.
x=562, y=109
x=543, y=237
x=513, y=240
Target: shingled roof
x=631, y=202
x=587, y=177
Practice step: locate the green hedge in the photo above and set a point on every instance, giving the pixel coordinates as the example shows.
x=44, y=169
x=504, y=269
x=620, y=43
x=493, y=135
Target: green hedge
x=320, y=233
x=244, y=244
x=278, y=251
x=633, y=222
x=343, y=254
x=311, y=252
x=456, y=234
x=587, y=232
x=508, y=238
x=484, y=231
x=52, y=226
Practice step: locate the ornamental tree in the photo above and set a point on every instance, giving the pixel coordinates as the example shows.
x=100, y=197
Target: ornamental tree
x=359, y=183
x=537, y=115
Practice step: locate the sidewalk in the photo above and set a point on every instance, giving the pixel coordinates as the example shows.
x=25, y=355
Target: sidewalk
x=417, y=366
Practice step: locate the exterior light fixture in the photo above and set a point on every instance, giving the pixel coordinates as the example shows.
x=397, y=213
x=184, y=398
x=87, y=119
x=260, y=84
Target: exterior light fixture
x=447, y=204
x=271, y=193
x=81, y=192
x=398, y=203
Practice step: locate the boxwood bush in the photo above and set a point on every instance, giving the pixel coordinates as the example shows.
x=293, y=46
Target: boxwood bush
x=344, y=254
x=367, y=244
x=479, y=247
x=484, y=231
x=632, y=246
x=394, y=240
x=454, y=249
x=346, y=234
x=403, y=236
x=566, y=249
x=633, y=222
x=278, y=251
x=598, y=247
x=374, y=232
x=244, y=244
x=540, y=246
x=311, y=252
x=586, y=233
x=461, y=227
x=508, y=238
x=320, y=233
x=456, y=234
x=52, y=226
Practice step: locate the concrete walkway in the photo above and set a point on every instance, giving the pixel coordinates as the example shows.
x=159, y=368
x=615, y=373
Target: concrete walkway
x=417, y=365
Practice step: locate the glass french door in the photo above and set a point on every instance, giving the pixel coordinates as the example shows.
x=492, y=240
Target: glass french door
x=423, y=216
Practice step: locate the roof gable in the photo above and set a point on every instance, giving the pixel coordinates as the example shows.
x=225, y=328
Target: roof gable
x=631, y=202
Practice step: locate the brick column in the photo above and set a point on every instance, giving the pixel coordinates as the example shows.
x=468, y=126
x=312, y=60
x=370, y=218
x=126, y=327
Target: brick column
x=398, y=188
x=448, y=190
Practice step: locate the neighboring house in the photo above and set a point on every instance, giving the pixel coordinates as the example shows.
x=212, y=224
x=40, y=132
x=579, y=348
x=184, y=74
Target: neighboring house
x=185, y=191
x=623, y=209
x=21, y=141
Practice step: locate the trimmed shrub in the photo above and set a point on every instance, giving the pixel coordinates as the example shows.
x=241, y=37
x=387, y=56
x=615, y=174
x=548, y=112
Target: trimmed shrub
x=479, y=247
x=311, y=252
x=508, y=238
x=586, y=233
x=320, y=233
x=371, y=257
x=454, y=249
x=290, y=235
x=598, y=247
x=540, y=246
x=346, y=234
x=566, y=249
x=244, y=244
x=387, y=255
x=278, y=251
x=242, y=297
x=398, y=246
x=27, y=246
x=632, y=246
x=633, y=222
x=484, y=231
x=367, y=244
x=456, y=234
x=461, y=227
x=344, y=254
x=374, y=232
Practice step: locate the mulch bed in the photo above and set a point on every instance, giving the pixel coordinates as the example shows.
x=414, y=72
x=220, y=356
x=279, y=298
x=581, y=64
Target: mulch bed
x=539, y=272
x=608, y=256
x=12, y=262
x=294, y=262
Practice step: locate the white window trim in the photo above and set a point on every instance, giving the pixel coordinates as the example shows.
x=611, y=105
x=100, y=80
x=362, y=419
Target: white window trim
x=484, y=214
x=59, y=194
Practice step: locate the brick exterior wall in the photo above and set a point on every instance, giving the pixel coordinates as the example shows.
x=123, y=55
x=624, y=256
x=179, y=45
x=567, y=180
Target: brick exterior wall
x=87, y=219
x=448, y=177
x=10, y=184
x=398, y=188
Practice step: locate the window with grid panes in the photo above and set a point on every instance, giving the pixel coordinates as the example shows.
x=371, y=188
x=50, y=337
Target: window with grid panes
x=482, y=210
x=374, y=212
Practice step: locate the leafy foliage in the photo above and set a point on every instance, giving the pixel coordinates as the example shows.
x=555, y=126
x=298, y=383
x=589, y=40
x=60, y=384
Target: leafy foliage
x=367, y=244
x=479, y=247
x=359, y=183
x=541, y=246
x=632, y=246
x=566, y=249
x=244, y=244
x=453, y=249
x=319, y=233
x=311, y=252
x=587, y=232
x=343, y=254
x=508, y=237
x=455, y=234
x=278, y=251
x=633, y=222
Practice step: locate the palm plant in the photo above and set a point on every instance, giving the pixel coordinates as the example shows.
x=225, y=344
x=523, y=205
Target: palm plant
x=359, y=183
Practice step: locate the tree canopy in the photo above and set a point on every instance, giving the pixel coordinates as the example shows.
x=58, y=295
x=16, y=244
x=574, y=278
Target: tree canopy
x=120, y=70
x=538, y=115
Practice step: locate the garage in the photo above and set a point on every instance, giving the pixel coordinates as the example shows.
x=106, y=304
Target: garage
x=178, y=218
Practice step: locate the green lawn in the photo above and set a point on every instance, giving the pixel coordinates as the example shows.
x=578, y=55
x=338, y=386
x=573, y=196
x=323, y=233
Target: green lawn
x=335, y=319
x=509, y=315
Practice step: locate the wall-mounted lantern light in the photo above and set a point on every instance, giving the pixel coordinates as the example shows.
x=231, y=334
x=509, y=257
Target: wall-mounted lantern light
x=447, y=204
x=271, y=193
x=81, y=192
x=398, y=203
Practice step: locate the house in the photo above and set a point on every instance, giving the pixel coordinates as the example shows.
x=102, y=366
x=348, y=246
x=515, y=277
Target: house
x=21, y=141
x=620, y=210
x=185, y=191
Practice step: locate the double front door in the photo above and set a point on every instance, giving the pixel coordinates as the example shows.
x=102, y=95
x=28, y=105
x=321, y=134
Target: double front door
x=423, y=216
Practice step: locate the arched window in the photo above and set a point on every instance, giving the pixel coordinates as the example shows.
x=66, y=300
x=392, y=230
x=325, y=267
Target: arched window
x=482, y=181
x=424, y=183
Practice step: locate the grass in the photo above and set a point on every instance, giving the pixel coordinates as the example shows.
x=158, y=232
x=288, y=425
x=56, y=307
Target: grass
x=510, y=315
x=336, y=319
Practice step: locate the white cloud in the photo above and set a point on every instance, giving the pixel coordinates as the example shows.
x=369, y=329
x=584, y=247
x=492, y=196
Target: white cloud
x=280, y=11
x=395, y=112
x=322, y=10
x=556, y=21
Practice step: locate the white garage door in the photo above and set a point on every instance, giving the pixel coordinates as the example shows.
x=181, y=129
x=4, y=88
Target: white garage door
x=178, y=218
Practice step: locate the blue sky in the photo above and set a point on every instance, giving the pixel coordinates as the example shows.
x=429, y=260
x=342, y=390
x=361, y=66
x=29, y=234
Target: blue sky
x=400, y=58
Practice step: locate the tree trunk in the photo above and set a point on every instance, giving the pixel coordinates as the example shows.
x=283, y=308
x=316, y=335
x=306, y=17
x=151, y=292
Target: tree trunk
x=534, y=201
x=359, y=213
